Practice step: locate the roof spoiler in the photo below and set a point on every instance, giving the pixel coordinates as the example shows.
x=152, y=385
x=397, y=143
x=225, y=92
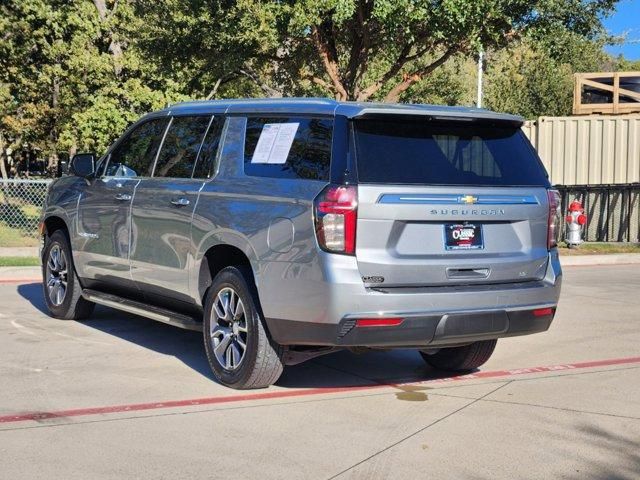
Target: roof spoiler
x=481, y=116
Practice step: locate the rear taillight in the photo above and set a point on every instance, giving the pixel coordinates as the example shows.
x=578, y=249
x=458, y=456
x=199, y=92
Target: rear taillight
x=335, y=217
x=555, y=219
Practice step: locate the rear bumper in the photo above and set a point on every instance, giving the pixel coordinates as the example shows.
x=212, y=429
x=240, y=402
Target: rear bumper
x=434, y=316
x=416, y=331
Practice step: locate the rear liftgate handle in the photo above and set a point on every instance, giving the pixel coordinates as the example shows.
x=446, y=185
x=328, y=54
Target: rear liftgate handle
x=466, y=273
x=123, y=197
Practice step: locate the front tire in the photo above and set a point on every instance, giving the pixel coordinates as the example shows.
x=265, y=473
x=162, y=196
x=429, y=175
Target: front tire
x=240, y=352
x=461, y=359
x=61, y=288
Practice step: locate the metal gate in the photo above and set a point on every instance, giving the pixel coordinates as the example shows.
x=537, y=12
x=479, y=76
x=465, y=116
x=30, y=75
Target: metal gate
x=613, y=211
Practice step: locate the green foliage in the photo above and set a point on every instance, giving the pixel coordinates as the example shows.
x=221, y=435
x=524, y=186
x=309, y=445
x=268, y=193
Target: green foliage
x=451, y=84
x=527, y=82
x=75, y=73
x=624, y=65
x=19, y=262
x=68, y=81
x=349, y=49
x=535, y=78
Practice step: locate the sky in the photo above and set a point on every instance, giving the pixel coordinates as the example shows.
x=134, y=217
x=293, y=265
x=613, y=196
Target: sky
x=625, y=19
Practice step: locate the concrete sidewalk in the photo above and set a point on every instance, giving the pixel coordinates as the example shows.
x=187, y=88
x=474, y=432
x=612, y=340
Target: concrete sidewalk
x=18, y=251
x=20, y=274
x=608, y=259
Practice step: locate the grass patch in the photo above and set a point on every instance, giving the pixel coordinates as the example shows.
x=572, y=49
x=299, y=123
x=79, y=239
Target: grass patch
x=600, y=248
x=12, y=237
x=31, y=211
x=19, y=262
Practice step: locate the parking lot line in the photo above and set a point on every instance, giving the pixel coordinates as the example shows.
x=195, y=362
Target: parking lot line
x=37, y=416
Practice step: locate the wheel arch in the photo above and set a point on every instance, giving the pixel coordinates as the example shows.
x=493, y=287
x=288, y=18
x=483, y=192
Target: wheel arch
x=54, y=222
x=219, y=256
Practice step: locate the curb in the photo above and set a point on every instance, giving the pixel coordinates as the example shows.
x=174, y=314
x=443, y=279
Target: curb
x=600, y=260
x=19, y=252
x=20, y=280
x=62, y=415
x=20, y=275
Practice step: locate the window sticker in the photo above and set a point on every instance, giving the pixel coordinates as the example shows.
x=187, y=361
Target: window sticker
x=274, y=143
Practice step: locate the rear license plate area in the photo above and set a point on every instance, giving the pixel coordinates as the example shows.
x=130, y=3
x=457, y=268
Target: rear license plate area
x=463, y=236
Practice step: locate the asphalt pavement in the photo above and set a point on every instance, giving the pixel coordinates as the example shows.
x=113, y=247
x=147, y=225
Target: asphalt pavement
x=119, y=396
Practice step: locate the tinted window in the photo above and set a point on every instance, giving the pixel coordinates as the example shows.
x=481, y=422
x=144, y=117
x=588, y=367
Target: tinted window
x=180, y=147
x=100, y=171
x=308, y=156
x=209, y=150
x=134, y=156
x=454, y=153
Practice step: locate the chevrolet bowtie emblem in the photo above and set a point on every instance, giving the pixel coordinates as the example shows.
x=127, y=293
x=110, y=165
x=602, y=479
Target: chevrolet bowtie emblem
x=468, y=199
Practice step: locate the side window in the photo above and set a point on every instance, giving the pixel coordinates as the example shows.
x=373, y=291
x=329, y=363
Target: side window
x=134, y=156
x=209, y=150
x=180, y=147
x=293, y=147
x=100, y=171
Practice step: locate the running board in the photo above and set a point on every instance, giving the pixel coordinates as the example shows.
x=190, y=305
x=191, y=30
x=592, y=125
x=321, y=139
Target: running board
x=154, y=313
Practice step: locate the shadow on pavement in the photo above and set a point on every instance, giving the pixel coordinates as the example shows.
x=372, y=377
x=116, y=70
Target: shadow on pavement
x=340, y=369
x=32, y=292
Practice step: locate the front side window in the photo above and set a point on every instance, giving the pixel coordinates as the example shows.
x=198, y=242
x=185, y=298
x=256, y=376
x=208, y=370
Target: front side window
x=180, y=147
x=134, y=156
x=295, y=147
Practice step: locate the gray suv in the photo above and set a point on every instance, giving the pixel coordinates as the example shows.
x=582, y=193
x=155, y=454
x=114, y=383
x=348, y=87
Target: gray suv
x=286, y=229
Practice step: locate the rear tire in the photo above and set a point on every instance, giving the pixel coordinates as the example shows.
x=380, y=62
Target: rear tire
x=240, y=352
x=461, y=359
x=60, y=285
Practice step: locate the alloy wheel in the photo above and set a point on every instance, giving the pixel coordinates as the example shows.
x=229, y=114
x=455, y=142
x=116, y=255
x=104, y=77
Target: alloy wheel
x=56, y=275
x=228, y=329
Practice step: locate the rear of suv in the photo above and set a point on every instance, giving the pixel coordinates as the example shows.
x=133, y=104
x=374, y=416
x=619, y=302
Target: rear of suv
x=288, y=229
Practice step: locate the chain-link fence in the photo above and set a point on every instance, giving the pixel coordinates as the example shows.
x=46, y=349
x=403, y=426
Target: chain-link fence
x=20, y=206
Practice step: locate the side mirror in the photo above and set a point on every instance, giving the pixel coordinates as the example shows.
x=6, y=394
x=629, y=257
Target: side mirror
x=83, y=165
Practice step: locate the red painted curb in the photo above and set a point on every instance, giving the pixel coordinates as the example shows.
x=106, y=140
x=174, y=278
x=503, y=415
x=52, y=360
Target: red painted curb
x=36, y=416
x=21, y=280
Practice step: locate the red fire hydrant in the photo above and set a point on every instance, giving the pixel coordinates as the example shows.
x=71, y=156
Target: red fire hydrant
x=576, y=220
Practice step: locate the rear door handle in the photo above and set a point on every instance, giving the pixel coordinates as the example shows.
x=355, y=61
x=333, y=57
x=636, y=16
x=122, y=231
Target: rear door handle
x=123, y=197
x=180, y=202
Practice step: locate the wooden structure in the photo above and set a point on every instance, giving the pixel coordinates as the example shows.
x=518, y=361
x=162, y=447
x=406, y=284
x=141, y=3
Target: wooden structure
x=606, y=93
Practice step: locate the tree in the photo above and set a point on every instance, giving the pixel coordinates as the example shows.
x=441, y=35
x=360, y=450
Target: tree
x=75, y=73
x=349, y=49
x=68, y=79
x=535, y=76
x=527, y=82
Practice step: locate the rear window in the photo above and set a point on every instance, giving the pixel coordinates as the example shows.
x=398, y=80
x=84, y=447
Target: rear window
x=445, y=153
